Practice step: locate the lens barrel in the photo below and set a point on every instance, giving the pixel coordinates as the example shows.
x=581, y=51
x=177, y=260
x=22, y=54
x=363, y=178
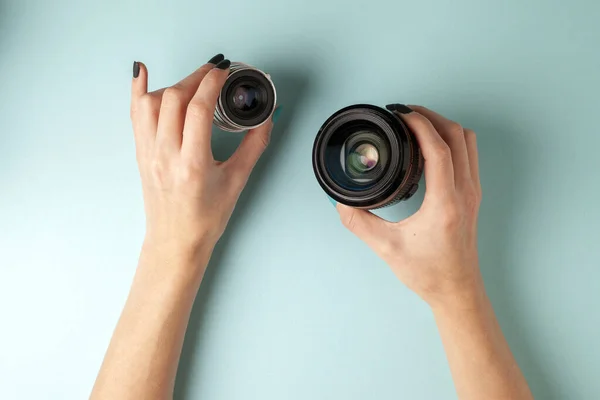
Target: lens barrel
x=366, y=157
x=247, y=100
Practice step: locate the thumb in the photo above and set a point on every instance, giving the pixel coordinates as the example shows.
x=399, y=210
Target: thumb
x=251, y=148
x=371, y=229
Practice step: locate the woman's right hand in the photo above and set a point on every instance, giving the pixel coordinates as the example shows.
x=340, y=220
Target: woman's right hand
x=434, y=251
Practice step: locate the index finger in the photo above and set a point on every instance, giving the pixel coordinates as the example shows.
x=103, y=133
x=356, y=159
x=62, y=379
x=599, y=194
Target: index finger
x=199, y=116
x=174, y=101
x=453, y=134
x=439, y=171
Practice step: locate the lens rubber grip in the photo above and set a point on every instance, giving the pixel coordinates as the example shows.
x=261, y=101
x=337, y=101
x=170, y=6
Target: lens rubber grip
x=410, y=187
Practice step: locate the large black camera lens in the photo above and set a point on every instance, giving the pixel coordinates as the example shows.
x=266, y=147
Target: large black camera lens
x=247, y=99
x=365, y=157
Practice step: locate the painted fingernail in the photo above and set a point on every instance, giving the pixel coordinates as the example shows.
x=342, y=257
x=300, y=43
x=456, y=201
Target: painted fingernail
x=401, y=108
x=216, y=59
x=276, y=114
x=223, y=64
x=332, y=201
x=136, y=69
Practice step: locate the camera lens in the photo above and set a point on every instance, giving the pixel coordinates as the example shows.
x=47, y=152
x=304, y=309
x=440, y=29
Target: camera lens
x=247, y=99
x=365, y=157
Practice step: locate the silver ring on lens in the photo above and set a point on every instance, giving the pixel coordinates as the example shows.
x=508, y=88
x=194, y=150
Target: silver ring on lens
x=247, y=100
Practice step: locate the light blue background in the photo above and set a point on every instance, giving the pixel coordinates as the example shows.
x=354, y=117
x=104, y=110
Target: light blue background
x=293, y=306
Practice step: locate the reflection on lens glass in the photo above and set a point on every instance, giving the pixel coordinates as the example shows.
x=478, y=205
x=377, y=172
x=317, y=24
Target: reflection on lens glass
x=246, y=98
x=363, y=158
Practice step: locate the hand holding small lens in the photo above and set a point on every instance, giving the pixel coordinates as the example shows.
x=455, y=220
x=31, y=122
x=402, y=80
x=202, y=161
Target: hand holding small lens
x=188, y=195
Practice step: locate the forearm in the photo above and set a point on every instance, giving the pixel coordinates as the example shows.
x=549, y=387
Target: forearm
x=141, y=361
x=481, y=362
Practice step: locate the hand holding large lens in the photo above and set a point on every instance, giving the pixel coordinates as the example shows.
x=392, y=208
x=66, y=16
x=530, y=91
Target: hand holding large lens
x=434, y=251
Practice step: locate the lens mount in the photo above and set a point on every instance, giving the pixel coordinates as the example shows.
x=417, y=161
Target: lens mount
x=394, y=175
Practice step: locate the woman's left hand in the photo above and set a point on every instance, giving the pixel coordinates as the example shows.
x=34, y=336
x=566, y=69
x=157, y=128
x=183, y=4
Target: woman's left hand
x=188, y=195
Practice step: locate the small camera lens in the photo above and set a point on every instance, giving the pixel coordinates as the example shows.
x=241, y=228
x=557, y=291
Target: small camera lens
x=366, y=157
x=247, y=99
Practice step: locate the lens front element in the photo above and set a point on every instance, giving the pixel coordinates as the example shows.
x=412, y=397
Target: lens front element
x=363, y=158
x=365, y=155
x=246, y=98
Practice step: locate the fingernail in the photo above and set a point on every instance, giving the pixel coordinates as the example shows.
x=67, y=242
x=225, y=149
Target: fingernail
x=216, y=59
x=223, y=64
x=276, y=114
x=401, y=108
x=332, y=201
x=136, y=69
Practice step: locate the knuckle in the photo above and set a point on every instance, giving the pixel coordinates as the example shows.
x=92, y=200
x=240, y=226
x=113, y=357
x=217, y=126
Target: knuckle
x=450, y=218
x=264, y=140
x=472, y=199
x=189, y=172
x=386, y=246
x=144, y=105
x=199, y=110
x=211, y=80
x=173, y=96
x=454, y=128
x=146, y=102
x=470, y=134
x=349, y=220
x=442, y=153
x=159, y=170
x=421, y=122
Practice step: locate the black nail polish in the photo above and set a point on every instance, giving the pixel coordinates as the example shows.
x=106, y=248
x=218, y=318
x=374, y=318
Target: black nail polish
x=401, y=108
x=216, y=59
x=136, y=69
x=223, y=64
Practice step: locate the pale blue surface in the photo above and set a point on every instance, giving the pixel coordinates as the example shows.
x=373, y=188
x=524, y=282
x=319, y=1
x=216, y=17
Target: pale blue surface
x=295, y=307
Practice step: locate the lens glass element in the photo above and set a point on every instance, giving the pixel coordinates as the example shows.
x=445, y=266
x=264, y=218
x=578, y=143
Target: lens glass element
x=363, y=158
x=246, y=98
x=357, y=155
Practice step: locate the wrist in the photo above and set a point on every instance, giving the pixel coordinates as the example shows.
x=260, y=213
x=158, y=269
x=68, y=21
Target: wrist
x=466, y=293
x=171, y=256
x=170, y=242
x=466, y=299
